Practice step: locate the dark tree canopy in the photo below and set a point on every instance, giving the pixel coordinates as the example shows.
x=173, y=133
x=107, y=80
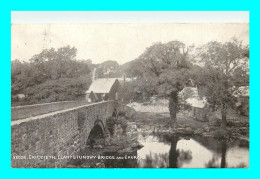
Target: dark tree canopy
x=168, y=65
x=108, y=69
x=52, y=75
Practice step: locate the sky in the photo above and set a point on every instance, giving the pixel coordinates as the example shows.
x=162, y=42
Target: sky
x=119, y=42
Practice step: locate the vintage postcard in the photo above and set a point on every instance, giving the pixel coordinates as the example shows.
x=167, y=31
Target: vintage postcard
x=130, y=95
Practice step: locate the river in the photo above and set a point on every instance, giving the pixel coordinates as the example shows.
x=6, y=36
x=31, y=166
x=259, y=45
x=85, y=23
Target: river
x=171, y=151
x=162, y=150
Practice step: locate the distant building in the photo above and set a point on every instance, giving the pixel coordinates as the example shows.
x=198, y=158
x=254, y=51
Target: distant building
x=242, y=95
x=125, y=79
x=103, y=89
x=198, y=103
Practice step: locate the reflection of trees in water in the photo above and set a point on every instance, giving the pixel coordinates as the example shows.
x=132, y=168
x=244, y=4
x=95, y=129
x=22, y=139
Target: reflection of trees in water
x=213, y=163
x=223, y=154
x=174, y=159
x=241, y=165
x=216, y=145
x=185, y=157
x=156, y=161
x=178, y=157
x=174, y=153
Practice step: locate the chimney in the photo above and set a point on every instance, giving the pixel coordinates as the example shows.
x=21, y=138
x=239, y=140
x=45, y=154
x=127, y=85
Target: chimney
x=94, y=74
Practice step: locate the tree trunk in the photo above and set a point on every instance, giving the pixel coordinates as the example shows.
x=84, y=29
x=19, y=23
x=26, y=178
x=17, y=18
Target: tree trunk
x=224, y=118
x=173, y=103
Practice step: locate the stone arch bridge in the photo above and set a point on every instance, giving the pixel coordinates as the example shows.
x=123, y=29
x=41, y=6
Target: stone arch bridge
x=41, y=141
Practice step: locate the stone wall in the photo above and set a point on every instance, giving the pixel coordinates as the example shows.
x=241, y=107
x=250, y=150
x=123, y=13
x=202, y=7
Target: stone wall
x=21, y=112
x=43, y=141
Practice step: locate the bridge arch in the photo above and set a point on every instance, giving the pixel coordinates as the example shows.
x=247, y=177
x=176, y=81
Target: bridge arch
x=96, y=135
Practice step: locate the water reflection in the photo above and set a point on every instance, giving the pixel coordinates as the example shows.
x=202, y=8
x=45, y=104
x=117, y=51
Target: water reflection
x=214, y=163
x=162, y=151
x=168, y=151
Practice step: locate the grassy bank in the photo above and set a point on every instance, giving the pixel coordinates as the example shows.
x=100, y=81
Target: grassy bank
x=158, y=121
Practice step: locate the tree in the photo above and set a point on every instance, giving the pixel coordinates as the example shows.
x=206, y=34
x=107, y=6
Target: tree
x=166, y=65
x=133, y=68
x=137, y=90
x=108, y=69
x=224, y=66
x=52, y=75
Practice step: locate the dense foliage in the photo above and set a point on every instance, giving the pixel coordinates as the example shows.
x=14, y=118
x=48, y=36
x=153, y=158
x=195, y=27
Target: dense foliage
x=226, y=68
x=52, y=75
x=167, y=68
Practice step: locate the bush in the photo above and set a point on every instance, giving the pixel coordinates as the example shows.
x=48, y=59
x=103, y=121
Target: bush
x=112, y=121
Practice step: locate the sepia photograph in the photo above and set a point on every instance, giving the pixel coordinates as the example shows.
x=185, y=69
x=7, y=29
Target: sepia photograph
x=130, y=95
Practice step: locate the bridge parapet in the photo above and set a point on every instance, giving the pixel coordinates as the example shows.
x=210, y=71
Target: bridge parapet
x=22, y=112
x=55, y=135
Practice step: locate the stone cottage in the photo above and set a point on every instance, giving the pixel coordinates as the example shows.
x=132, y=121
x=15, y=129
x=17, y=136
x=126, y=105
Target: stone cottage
x=242, y=96
x=197, y=102
x=103, y=89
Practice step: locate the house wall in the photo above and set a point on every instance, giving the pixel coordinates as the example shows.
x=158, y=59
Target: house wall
x=90, y=97
x=244, y=105
x=202, y=90
x=114, y=90
x=200, y=113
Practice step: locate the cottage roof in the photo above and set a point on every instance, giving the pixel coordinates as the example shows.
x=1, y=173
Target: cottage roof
x=242, y=91
x=196, y=102
x=101, y=85
x=189, y=92
x=191, y=97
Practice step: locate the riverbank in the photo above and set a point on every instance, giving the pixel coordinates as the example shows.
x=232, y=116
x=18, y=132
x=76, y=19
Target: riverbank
x=159, y=122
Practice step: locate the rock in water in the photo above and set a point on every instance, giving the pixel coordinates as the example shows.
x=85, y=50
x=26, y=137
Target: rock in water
x=198, y=131
x=97, y=146
x=137, y=145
